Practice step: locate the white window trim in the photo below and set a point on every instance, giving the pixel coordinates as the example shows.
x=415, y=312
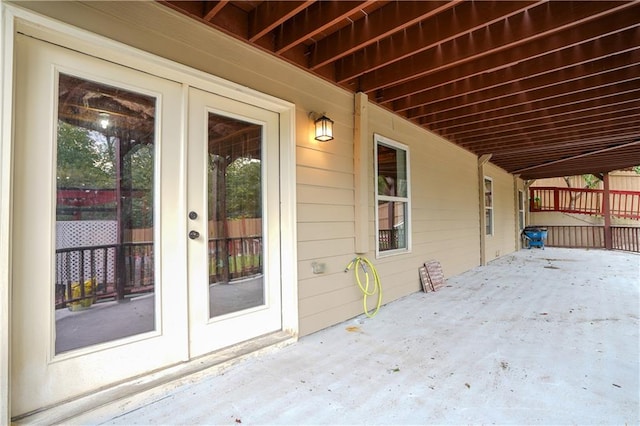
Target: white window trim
x=490, y=208
x=521, y=209
x=379, y=139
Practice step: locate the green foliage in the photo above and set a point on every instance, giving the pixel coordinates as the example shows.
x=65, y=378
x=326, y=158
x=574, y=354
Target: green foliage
x=591, y=181
x=637, y=169
x=139, y=161
x=87, y=160
x=244, y=189
x=80, y=160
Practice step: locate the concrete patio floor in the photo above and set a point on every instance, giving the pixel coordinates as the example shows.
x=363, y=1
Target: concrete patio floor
x=537, y=337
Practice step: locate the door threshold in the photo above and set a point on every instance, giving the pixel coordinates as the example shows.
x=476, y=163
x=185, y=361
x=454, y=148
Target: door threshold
x=127, y=396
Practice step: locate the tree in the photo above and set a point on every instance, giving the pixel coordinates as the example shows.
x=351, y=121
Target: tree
x=86, y=159
x=80, y=160
x=244, y=189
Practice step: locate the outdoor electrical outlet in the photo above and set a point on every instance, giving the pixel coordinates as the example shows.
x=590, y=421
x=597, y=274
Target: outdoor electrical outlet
x=318, y=268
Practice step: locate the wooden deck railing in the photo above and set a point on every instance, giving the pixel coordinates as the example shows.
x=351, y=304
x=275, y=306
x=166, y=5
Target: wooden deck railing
x=243, y=258
x=575, y=236
x=622, y=204
x=113, y=271
x=625, y=238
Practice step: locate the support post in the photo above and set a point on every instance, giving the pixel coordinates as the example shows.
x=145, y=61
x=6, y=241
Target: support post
x=121, y=273
x=606, y=212
x=360, y=168
x=516, y=203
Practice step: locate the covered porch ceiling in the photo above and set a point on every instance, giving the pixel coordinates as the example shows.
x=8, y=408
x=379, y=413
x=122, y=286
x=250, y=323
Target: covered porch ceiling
x=547, y=88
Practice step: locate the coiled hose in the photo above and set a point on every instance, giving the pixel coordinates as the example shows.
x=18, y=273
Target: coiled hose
x=367, y=267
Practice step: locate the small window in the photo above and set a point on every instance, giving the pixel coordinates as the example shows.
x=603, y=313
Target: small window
x=521, y=209
x=488, y=205
x=392, y=196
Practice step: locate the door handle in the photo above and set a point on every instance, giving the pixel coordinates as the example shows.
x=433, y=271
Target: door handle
x=194, y=235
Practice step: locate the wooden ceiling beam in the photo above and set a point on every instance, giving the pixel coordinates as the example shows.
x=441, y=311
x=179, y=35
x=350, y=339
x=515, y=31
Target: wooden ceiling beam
x=589, y=50
x=524, y=152
x=625, y=155
x=557, y=126
x=630, y=144
x=563, y=142
x=487, y=103
x=529, y=82
x=271, y=14
x=588, y=110
x=212, y=8
x=316, y=19
x=586, y=87
x=629, y=110
x=552, y=31
x=500, y=84
x=464, y=18
x=391, y=18
x=227, y=17
x=602, y=96
x=565, y=138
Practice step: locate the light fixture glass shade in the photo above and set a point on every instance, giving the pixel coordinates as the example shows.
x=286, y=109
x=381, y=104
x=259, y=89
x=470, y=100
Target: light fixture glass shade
x=103, y=118
x=324, y=129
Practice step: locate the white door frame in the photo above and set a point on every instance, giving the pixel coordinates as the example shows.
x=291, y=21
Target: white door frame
x=14, y=18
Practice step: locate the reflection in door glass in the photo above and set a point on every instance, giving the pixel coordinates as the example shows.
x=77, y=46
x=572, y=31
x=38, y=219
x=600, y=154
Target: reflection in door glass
x=234, y=215
x=104, y=282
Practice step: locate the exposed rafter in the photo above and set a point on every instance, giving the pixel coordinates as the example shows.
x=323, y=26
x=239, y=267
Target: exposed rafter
x=547, y=88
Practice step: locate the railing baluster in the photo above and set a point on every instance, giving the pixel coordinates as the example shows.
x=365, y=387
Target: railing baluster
x=105, y=274
x=81, y=275
x=101, y=268
x=625, y=238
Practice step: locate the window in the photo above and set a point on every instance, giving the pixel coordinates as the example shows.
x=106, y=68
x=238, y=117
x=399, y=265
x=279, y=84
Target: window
x=488, y=206
x=392, y=196
x=521, y=209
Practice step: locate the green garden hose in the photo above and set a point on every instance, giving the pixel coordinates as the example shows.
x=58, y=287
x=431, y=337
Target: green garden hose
x=367, y=267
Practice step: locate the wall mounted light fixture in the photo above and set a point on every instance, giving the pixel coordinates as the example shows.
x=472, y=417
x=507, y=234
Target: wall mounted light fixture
x=103, y=118
x=324, y=127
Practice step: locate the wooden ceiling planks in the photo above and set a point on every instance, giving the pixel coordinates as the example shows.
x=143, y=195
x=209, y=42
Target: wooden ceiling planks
x=548, y=88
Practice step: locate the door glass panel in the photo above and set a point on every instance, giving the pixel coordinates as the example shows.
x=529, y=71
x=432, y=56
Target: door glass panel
x=104, y=282
x=234, y=215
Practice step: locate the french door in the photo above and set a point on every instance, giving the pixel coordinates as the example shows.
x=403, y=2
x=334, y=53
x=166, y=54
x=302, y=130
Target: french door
x=233, y=199
x=136, y=245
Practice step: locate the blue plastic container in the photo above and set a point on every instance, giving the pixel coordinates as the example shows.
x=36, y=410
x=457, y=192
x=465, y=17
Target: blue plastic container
x=535, y=236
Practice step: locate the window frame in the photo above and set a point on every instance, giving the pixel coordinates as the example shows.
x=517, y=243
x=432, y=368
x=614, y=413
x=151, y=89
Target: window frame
x=488, y=208
x=390, y=143
x=521, y=210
